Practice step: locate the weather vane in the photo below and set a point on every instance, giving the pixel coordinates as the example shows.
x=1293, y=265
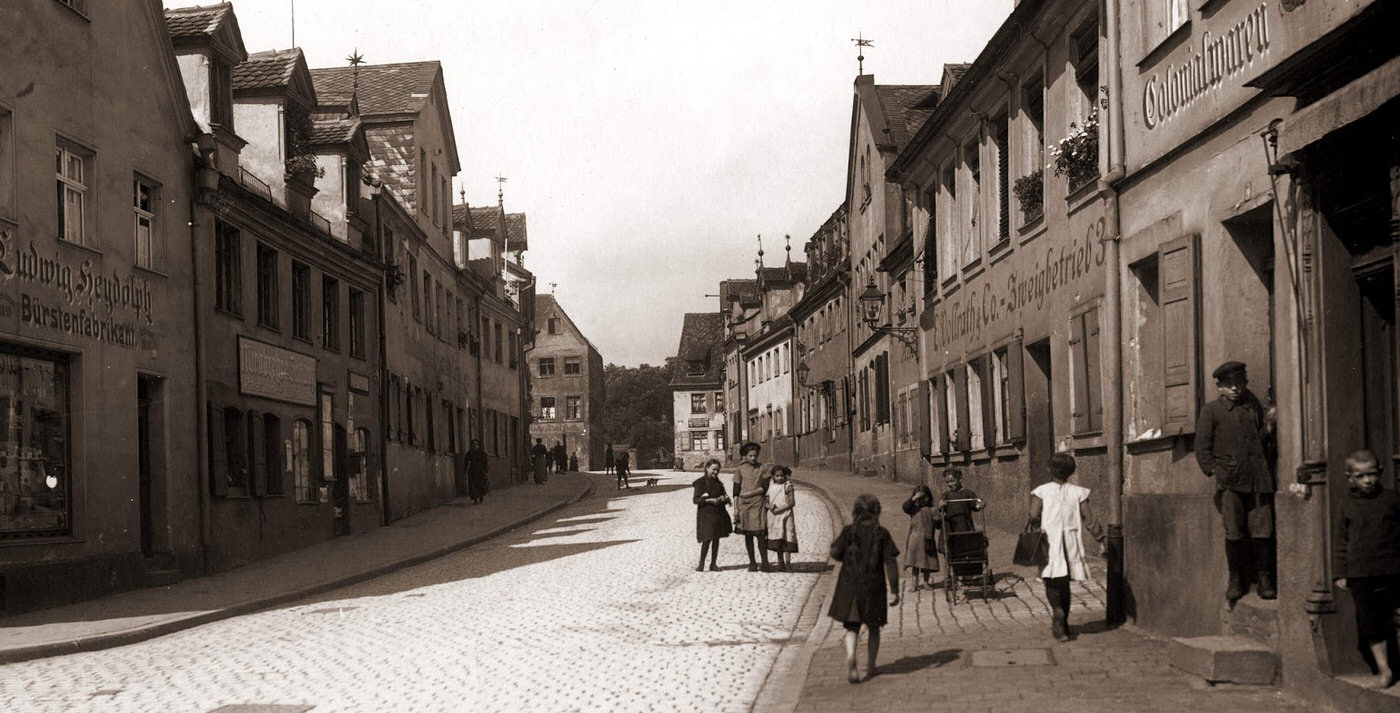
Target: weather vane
x=860, y=41
x=500, y=188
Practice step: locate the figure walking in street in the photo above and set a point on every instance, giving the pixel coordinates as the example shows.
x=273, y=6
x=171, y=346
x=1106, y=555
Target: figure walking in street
x=869, y=563
x=782, y=525
x=608, y=460
x=1367, y=560
x=750, y=516
x=477, y=484
x=1063, y=511
x=920, y=552
x=1230, y=436
x=561, y=458
x=540, y=461
x=711, y=517
x=622, y=465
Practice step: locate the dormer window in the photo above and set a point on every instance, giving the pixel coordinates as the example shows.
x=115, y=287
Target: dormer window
x=695, y=367
x=220, y=94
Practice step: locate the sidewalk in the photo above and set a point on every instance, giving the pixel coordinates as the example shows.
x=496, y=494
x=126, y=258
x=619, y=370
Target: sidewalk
x=142, y=614
x=983, y=656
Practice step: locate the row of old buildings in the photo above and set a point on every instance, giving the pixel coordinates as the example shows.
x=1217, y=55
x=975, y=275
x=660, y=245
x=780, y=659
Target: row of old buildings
x=1052, y=247
x=240, y=311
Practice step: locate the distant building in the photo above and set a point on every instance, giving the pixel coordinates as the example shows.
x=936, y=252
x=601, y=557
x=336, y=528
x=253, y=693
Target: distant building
x=566, y=386
x=697, y=391
x=767, y=356
x=822, y=349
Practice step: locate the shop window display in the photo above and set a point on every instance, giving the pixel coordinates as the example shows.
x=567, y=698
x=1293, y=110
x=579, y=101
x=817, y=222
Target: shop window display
x=34, y=424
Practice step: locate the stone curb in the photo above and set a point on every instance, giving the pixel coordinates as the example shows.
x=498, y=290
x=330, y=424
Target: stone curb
x=138, y=634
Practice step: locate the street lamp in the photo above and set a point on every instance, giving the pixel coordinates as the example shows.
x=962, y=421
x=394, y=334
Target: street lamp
x=871, y=301
x=802, y=371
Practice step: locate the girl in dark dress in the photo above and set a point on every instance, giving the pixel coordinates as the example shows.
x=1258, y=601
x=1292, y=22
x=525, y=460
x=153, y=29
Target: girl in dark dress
x=711, y=517
x=869, y=563
x=477, y=485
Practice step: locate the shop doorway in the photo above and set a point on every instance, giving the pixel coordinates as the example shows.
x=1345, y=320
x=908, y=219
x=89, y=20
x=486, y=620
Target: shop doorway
x=1040, y=409
x=148, y=391
x=1379, y=389
x=1250, y=338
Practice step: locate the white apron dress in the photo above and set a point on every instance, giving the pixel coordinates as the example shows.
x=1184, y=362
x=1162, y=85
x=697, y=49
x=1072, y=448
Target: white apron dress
x=1063, y=527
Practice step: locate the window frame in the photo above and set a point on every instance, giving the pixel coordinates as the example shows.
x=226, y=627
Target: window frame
x=358, y=341
x=545, y=366
x=268, y=264
x=150, y=214
x=549, y=408
x=301, y=301
x=84, y=187
x=228, y=268
x=330, y=313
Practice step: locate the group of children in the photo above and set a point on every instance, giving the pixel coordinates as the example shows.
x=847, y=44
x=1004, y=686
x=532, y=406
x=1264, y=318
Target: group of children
x=951, y=512
x=763, y=503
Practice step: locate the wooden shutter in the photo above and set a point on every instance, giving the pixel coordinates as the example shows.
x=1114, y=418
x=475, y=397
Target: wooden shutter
x=1092, y=378
x=1016, y=392
x=1079, y=408
x=218, y=460
x=276, y=485
x=964, y=440
x=1177, y=272
x=257, y=443
x=925, y=418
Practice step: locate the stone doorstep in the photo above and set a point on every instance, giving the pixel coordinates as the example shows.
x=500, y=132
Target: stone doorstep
x=1252, y=618
x=1224, y=659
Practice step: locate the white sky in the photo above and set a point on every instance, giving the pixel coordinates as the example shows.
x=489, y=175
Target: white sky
x=648, y=142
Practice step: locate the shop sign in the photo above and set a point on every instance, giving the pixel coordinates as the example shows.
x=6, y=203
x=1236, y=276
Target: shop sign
x=276, y=373
x=699, y=422
x=359, y=383
x=1220, y=57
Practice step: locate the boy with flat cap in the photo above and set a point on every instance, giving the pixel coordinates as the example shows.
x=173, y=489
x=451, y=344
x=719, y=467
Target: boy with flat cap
x=1230, y=436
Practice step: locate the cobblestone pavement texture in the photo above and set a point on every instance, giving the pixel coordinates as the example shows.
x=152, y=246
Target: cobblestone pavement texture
x=596, y=608
x=996, y=655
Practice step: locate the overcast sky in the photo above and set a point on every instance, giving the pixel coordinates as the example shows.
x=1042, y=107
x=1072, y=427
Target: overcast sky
x=647, y=141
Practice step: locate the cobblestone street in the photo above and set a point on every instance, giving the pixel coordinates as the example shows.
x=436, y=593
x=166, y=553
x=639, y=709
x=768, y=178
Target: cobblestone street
x=596, y=608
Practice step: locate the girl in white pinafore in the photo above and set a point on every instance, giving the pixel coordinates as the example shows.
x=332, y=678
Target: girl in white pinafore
x=1062, y=510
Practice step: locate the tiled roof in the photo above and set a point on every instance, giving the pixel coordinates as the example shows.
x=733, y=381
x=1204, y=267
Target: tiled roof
x=484, y=218
x=899, y=101
x=266, y=70
x=391, y=160
x=195, y=21
x=793, y=272
x=462, y=217
x=746, y=291
x=952, y=74
x=701, y=336
x=381, y=88
x=516, y=236
x=333, y=131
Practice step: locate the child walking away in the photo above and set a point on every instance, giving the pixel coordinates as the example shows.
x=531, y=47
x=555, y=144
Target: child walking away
x=1063, y=510
x=869, y=563
x=920, y=554
x=711, y=517
x=782, y=526
x=622, y=465
x=1367, y=558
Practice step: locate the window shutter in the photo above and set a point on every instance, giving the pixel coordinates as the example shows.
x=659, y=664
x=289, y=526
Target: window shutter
x=1177, y=261
x=1016, y=392
x=275, y=483
x=1080, y=407
x=218, y=460
x=1092, y=379
x=257, y=442
x=940, y=389
x=925, y=419
x=964, y=439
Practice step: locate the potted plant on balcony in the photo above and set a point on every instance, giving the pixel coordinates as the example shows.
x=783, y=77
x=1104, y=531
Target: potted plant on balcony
x=1076, y=156
x=301, y=160
x=393, y=278
x=1030, y=193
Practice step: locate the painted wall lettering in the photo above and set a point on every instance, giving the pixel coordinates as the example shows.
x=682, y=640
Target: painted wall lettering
x=82, y=283
x=1218, y=58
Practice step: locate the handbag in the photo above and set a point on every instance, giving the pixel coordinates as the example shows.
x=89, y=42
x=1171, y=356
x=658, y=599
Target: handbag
x=1032, y=548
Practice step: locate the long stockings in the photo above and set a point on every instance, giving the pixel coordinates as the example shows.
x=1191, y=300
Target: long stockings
x=762, y=548
x=712, y=547
x=1057, y=594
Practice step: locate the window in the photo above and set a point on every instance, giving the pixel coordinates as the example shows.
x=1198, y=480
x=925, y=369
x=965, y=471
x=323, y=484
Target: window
x=976, y=425
x=1160, y=19
x=330, y=313
x=882, y=388
x=572, y=365
x=145, y=200
x=437, y=194
x=1084, y=54
x=719, y=402
x=546, y=366
x=412, y=395
x=357, y=323
x=778, y=423
x=972, y=199
x=955, y=436
x=327, y=438
x=930, y=254
x=228, y=268
x=1000, y=378
x=422, y=182
x=430, y=423
x=1000, y=134
x=229, y=452
x=412, y=280
x=221, y=94
x=301, y=301
x=35, y=484
x=72, y=166
x=553, y=325
x=428, y=319
x=1033, y=109
x=497, y=328
x=514, y=347
x=719, y=440
x=699, y=440
x=1161, y=339
x=438, y=309
x=938, y=439
x=697, y=403
x=573, y=408
x=1086, y=389
x=267, y=287
x=548, y=411
x=361, y=475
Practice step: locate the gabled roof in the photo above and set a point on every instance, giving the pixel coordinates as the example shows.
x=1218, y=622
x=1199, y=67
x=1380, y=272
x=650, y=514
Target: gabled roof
x=743, y=290
x=485, y=219
x=333, y=131
x=952, y=74
x=516, y=237
x=791, y=273
x=382, y=88
x=216, y=24
x=702, y=337
x=546, y=305
x=392, y=157
x=901, y=117
x=266, y=70
x=462, y=217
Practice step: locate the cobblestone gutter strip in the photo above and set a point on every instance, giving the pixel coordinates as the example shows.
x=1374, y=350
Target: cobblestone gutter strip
x=172, y=623
x=782, y=688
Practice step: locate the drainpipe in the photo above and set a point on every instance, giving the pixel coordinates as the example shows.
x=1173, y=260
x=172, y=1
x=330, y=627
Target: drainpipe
x=1112, y=102
x=385, y=253
x=204, y=179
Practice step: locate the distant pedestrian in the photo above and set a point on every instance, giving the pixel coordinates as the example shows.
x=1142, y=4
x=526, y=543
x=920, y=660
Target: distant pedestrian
x=623, y=466
x=750, y=516
x=561, y=457
x=608, y=460
x=540, y=455
x=477, y=483
x=920, y=552
x=1367, y=560
x=869, y=563
x=711, y=519
x=573, y=462
x=782, y=525
x=1063, y=511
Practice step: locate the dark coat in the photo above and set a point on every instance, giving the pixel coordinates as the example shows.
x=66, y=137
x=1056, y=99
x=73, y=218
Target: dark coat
x=1230, y=444
x=477, y=484
x=1368, y=535
x=859, y=598
x=711, y=521
x=561, y=456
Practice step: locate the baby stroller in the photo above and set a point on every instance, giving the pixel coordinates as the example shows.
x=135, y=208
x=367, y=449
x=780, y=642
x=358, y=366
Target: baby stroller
x=963, y=540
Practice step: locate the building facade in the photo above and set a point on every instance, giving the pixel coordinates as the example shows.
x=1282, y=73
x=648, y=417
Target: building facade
x=823, y=350
x=739, y=303
x=567, y=386
x=96, y=336
x=698, y=394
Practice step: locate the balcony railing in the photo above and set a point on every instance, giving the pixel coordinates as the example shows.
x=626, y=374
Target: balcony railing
x=320, y=223
x=254, y=184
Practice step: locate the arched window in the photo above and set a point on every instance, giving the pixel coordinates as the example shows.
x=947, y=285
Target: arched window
x=301, y=461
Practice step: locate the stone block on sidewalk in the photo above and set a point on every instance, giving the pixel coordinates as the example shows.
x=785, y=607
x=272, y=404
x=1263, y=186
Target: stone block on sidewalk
x=1224, y=659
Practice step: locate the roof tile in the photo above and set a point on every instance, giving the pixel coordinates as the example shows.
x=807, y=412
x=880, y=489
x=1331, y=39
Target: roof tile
x=196, y=21
x=381, y=88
